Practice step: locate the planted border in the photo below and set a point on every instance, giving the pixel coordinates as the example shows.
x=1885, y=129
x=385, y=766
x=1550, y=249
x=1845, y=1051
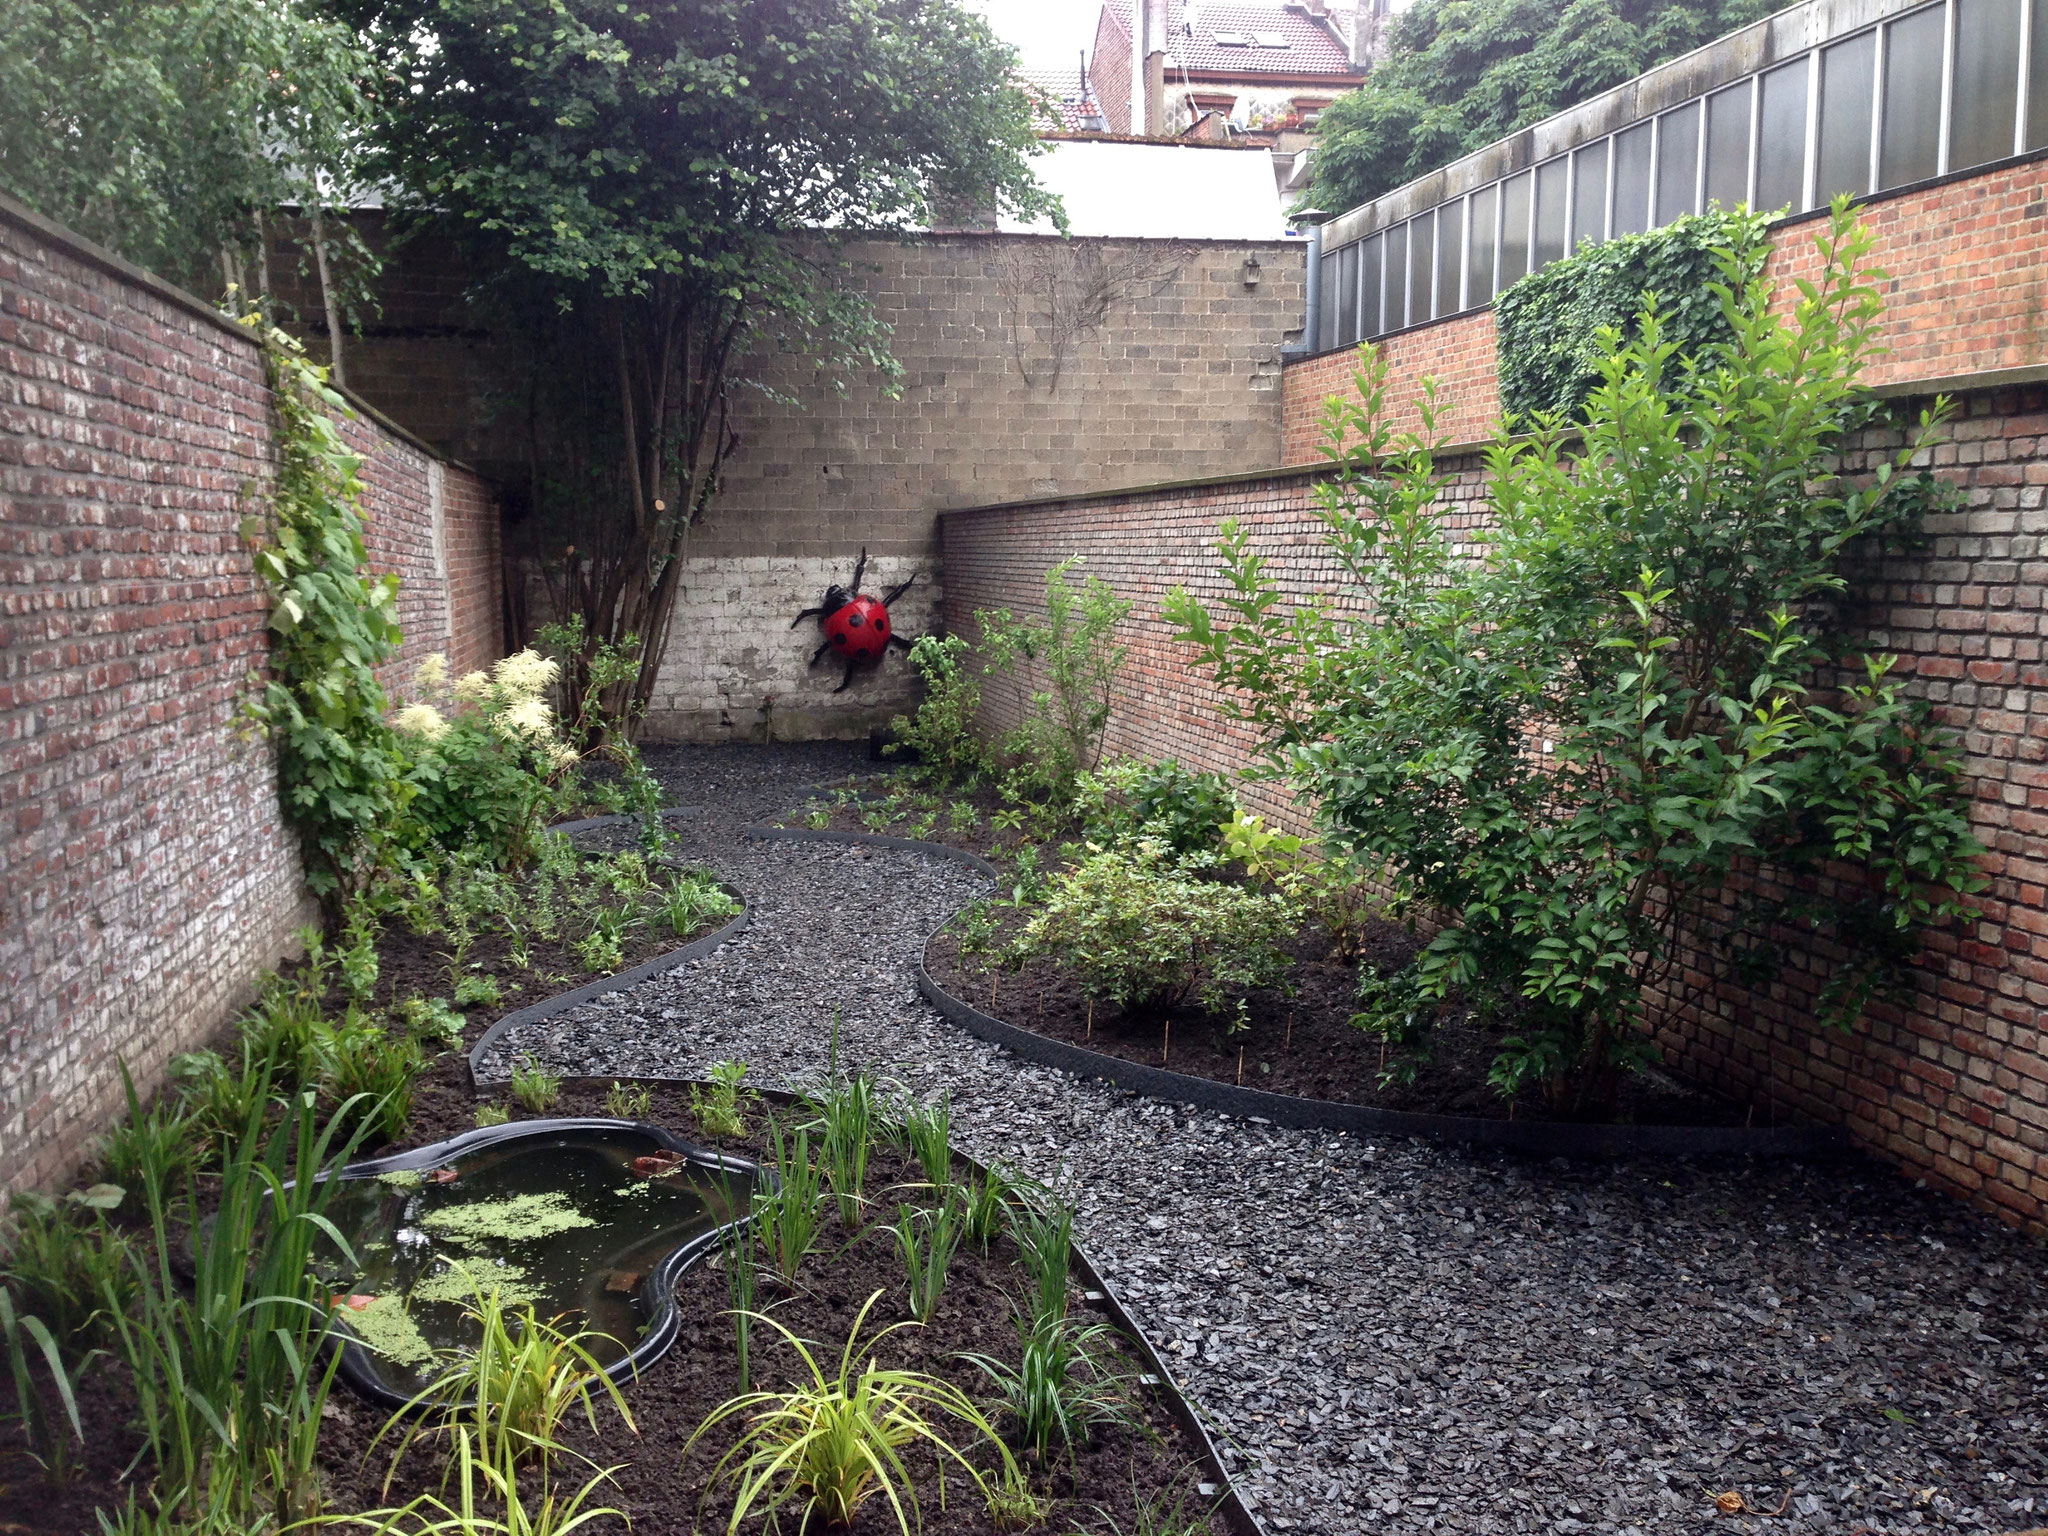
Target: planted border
x=647, y=970
x=1543, y=1138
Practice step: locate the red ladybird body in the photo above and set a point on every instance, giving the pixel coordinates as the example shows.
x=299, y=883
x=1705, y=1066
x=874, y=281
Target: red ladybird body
x=858, y=630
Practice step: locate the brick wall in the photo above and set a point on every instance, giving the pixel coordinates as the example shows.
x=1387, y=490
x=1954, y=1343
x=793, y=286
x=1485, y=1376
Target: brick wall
x=145, y=872
x=1952, y=1084
x=1966, y=294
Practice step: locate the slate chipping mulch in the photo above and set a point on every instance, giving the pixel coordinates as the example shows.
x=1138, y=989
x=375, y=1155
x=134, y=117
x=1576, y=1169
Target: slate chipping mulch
x=1409, y=1338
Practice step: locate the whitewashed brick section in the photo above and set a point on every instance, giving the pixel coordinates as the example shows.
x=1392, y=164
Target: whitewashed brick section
x=736, y=671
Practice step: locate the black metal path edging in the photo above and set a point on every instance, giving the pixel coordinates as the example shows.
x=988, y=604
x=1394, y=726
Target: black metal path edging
x=1543, y=1138
x=647, y=970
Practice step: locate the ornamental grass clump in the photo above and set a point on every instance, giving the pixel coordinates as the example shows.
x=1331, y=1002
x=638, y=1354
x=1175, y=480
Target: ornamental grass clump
x=1147, y=934
x=830, y=1443
x=1635, y=724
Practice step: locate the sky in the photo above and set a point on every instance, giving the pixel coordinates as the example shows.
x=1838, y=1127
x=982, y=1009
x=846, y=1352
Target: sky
x=1051, y=34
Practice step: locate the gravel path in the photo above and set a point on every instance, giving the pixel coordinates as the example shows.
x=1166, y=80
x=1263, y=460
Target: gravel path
x=1410, y=1338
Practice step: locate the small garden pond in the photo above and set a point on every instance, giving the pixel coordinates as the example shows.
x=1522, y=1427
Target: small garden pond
x=580, y=1219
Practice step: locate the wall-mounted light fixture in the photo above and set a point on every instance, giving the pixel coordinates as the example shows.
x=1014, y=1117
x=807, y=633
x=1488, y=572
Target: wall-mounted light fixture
x=1251, y=272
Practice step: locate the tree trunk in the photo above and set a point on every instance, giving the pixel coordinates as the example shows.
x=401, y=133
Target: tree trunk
x=328, y=302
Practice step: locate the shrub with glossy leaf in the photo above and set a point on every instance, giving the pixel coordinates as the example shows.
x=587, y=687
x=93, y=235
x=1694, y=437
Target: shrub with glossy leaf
x=1146, y=934
x=1658, y=604
x=830, y=1443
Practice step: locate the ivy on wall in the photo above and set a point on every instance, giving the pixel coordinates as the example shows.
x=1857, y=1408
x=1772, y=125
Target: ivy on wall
x=1549, y=323
x=340, y=767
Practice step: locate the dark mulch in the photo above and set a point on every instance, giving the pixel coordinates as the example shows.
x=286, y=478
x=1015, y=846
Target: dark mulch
x=663, y=1490
x=666, y=1492
x=1303, y=1044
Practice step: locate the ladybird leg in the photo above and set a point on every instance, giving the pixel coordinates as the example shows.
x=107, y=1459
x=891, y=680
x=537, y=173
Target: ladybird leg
x=899, y=640
x=808, y=613
x=819, y=652
x=845, y=682
x=899, y=589
x=859, y=567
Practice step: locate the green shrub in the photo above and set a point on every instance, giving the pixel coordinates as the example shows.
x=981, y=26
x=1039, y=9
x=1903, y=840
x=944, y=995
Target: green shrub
x=72, y=1272
x=1063, y=671
x=489, y=761
x=1550, y=323
x=1183, y=808
x=1336, y=892
x=1146, y=935
x=1659, y=611
x=942, y=732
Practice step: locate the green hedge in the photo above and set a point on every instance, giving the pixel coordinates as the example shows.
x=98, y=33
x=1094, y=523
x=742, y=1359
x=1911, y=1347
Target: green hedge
x=1549, y=321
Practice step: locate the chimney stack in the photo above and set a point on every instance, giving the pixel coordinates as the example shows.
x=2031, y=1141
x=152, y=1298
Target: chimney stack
x=1154, y=12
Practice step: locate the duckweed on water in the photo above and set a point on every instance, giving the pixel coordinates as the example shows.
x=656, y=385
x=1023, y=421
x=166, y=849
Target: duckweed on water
x=463, y=1281
x=520, y=1218
x=402, y=1178
x=386, y=1328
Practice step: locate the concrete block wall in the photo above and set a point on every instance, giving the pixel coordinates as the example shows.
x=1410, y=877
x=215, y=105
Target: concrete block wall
x=146, y=874
x=1031, y=366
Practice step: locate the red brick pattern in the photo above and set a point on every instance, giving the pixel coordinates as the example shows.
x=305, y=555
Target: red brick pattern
x=146, y=874
x=1952, y=1083
x=1966, y=292
x=1457, y=353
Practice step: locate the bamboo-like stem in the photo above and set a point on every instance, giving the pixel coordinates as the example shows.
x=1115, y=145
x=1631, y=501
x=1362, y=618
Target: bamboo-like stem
x=328, y=302
x=1166, y=1043
x=1090, y=1032
x=1288, y=1043
x=1240, y=1066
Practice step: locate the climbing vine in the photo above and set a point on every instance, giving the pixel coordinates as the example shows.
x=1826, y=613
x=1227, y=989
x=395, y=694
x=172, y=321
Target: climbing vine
x=1550, y=322
x=341, y=771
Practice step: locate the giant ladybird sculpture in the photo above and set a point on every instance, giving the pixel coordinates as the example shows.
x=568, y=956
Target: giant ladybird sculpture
x=857, y=628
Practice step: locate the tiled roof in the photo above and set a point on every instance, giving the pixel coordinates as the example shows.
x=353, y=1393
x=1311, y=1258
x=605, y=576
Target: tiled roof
x=1276, y=41
x=1065, y=92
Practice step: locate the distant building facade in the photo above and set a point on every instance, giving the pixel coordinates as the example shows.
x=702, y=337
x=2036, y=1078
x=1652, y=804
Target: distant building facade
x=1244, y=74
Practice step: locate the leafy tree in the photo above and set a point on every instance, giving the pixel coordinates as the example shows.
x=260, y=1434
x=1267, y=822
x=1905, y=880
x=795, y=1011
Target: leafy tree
x=1463, y=73
x=1635, y=718
x=168, y=130
x=666, y=177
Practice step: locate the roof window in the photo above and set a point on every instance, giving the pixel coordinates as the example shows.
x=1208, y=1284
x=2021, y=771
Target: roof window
x=1232, y=40
x=1270, y=39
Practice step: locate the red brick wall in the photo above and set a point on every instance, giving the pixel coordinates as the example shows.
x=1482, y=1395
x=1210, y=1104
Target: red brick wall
x=1457, y=353
x=1952, y=1084
x=1966, y=292
x=436, y=526
x=145, y=872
